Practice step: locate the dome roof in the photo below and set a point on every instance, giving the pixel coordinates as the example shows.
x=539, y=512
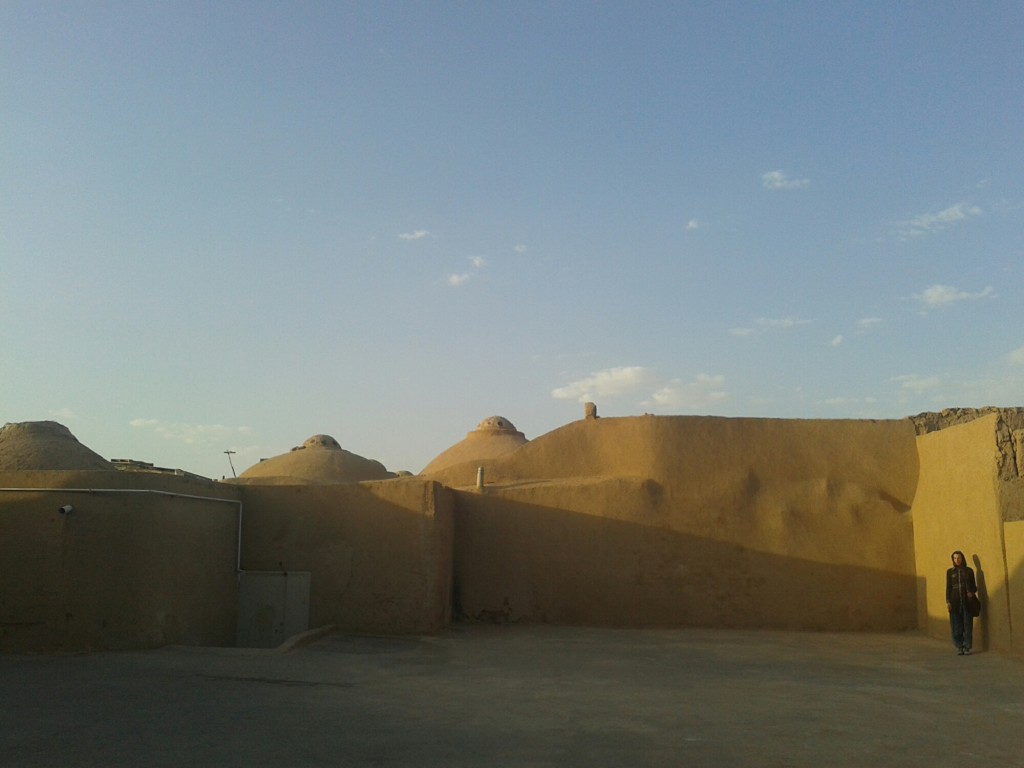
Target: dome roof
x=496, y=424
x=320, y=441
x=493, y=437
x=320, y=459
x=45, y=445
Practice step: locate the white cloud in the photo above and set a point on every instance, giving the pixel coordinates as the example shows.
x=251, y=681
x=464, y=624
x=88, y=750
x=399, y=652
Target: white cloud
x=192, y=434
x=693, y=224
x=866, y=324
x=520, y=248
x=478, y=261
x=844, y=401
x=705, y=390
x=935, y=296
x=783, y=322
x=419, y=234
x=779, y=180
x=458, y=279
x=766, y=324
x=927, y=223
x=917, y=384
x=837, y=341
x=702, y=392
x=610, y=382
x=1017, y=356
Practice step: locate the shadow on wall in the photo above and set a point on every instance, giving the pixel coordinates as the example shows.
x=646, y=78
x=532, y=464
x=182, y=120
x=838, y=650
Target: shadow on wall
x=379, y=553
x=116, y=570
x=981, y=623
x=519, y=562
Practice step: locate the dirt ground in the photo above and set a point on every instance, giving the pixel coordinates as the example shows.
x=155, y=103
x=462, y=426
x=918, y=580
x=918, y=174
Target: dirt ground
x=522, y=696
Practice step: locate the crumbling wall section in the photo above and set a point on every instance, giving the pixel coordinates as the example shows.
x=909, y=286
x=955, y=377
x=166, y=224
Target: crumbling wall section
x=1009, y=432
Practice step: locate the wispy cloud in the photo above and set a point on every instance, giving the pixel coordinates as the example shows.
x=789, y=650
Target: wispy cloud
x=520, y=248
x=766, y=324
x=702, y=392
x=419, y=234
x=866, y=324
x=461, y=278
x=693, y=224
x=63, y=414
x=837, y=341
x=938, y=296
x=781, y=323
x=848, y=401
x=193, y=434
x=993, y=386
x=610, y=382
x=775, y=180
x=1017, y=356
x=917, y=384
x=928, y=223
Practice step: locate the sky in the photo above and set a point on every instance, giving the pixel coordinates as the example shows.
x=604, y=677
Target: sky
x=231, y=226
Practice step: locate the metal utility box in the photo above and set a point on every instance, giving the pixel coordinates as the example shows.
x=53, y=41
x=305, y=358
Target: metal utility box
x=272, y=606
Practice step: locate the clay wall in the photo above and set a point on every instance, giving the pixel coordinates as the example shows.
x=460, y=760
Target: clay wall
x=1013, y=536
x=959, y=506
x=122, y=570
x=380, y=553
x=645, y=521
x=694, y=521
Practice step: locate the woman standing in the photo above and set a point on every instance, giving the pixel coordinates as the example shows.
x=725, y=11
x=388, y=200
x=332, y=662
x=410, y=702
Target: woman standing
x=960, y=588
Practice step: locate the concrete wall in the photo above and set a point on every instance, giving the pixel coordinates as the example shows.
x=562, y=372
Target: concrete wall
x=693, y=521
x=957, y=506
x=379, y=553
x=123, y=570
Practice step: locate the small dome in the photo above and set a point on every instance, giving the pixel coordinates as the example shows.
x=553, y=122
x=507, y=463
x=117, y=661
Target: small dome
x=321, y=441
x=493, y=437
x=320, y=459
x=496, y=424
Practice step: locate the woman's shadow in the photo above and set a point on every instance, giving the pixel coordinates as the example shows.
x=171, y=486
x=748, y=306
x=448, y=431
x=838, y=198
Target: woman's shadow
x=979, y=577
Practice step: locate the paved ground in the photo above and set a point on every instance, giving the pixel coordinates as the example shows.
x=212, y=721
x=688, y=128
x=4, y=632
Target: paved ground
x=518, y=696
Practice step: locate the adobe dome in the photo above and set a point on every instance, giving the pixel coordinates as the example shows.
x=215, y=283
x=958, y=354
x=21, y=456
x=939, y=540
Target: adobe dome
x=320, y=441
x=320, y=459
x=45, y=445
x=496, y=424
x=493, y=437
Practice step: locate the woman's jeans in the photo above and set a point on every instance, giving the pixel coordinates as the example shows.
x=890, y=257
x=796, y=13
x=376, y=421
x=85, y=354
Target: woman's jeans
x=961, y=626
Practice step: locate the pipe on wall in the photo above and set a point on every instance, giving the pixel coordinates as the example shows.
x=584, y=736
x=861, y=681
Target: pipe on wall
x=238, y=550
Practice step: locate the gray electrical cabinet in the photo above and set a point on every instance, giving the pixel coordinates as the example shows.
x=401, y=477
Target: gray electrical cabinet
x=272, y=606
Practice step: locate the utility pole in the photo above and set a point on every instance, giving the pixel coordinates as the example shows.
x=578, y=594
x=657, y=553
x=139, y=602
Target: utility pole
x=229, y=452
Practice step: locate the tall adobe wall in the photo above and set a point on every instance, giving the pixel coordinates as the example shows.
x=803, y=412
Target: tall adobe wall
x=970, y=497
x=694, y=521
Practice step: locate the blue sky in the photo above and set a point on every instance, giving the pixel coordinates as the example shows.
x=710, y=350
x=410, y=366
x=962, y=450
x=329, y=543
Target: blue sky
x=235, y=225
